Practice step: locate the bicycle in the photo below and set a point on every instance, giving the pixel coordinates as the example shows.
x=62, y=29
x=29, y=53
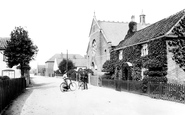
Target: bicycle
x=65, y=87
x=80, y=85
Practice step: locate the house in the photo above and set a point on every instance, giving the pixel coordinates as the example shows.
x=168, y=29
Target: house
x=4, y=70
x=103, y=37
x=53, y=63
x=153, y=42
x=41, y=70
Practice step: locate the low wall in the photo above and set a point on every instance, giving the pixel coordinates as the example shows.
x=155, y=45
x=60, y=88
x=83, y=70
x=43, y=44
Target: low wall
x=94, y=80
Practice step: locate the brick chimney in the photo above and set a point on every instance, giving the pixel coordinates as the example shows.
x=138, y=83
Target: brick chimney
x=132, y=27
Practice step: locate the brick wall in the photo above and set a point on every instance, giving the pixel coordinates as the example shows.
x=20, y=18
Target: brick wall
x=102, y=52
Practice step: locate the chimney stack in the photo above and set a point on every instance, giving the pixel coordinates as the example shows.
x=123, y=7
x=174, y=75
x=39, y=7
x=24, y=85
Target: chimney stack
x=142, y=18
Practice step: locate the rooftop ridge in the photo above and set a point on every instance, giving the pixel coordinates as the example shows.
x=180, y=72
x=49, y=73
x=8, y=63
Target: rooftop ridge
x=112, y=21
x=182, y=11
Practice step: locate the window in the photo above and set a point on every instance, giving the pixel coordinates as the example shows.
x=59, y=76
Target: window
x=94, y=47
x=144, y=50
x=120, y=54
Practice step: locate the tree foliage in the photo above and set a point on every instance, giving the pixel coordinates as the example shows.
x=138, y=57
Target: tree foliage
x=20, y=49
x=66, y=63
x=109, y=66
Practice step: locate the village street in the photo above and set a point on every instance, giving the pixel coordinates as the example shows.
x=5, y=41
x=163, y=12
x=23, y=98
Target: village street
x=45, y=98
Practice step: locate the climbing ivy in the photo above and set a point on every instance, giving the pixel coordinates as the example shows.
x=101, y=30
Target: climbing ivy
x=132, y=54
x=178, y=50
x=177, y=46
x=179, y=30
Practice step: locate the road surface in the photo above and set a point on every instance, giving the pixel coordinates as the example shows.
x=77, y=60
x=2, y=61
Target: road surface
x=45, y=98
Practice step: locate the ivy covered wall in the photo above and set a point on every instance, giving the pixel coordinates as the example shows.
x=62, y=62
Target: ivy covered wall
x=156, y=50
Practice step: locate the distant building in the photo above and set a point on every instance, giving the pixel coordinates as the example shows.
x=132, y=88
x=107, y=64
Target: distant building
x=78, y=60
x=41, y=70
x=103, y=37
x=4, y=69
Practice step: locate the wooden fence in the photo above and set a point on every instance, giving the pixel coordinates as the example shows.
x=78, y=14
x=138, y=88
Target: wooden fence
x=10, y=89
x=173, y=92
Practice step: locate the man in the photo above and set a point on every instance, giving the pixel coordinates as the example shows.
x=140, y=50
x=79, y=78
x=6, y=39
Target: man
x=66, y=79
x=85, y=78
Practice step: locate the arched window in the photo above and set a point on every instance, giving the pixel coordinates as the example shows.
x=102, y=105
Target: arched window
x=94, y=47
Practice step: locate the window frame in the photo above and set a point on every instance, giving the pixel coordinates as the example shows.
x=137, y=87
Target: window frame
x=144, y=50
x=120, y=54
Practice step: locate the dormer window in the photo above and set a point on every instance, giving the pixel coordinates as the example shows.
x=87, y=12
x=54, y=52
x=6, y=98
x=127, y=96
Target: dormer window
x=120, y=54
x=144, y=50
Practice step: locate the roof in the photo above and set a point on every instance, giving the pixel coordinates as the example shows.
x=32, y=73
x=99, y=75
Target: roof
x=80, y=62
x=113, y=32
x=116, y=31
x=76, y=58
x=155, y=30
x=3, y=42
x=52, y=59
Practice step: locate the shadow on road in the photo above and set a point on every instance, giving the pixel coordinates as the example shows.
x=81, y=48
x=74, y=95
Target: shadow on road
x=17, y=104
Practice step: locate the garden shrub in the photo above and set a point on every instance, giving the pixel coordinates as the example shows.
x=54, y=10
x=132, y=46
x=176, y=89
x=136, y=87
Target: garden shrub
x=4, y=78
x=109, y=67
x=155, y=72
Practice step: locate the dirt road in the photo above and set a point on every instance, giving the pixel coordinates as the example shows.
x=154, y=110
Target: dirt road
x=45, y=98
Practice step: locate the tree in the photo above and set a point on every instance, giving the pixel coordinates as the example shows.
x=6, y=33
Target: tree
x=20, y=50
x=66, y=63
x=109, y=67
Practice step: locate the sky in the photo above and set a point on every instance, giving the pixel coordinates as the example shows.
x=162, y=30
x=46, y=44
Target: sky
x=56, y=26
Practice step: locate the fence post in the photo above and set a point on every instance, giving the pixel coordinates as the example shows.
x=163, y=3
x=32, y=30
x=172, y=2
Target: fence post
x=127, y=85
x=1, y=95
x=148, y=88
x=160, y=90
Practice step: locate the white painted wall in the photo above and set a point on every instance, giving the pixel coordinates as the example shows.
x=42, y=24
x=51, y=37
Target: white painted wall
x=3, y=66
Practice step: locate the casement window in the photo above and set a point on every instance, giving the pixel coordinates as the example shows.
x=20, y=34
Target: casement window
x=144, y=50
x=120, y=54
